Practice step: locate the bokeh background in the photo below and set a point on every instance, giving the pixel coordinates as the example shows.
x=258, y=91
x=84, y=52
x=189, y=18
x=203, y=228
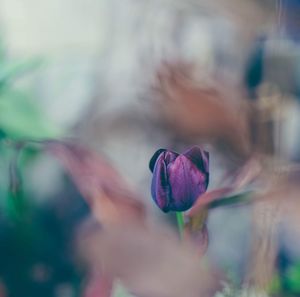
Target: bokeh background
x=88, y=71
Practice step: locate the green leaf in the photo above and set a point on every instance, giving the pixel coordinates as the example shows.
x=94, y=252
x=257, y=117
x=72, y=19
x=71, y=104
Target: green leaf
x=21, y=118
x=120, y=291
x=242, y=198
x=293, y=279
x=275, y=285
x=12, y=70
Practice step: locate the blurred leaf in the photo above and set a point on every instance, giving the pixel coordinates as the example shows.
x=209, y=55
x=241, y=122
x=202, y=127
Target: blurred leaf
x=21, y=118
x=242, y=198
x=2, y=51
x=12, y=70
x=148, y=261
x=275, y=285
x=16, y=203
x=120, y=291
x=98, y=286
x=195, y=229
x=213, y=113
x=105, y=190
x=219, y=198
x=293, y=279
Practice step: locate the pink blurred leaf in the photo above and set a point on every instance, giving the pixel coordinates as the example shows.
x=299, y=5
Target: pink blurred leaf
x=234, y=192
x=199, y=235
x=149, y=262
x=107, y=193
x=216, y=113
x=98, y=286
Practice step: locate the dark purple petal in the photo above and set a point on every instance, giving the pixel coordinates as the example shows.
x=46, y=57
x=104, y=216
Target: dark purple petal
x=187, y=183
x=198, y=157
x=160, y=188
x=154, y=158
x=168, y=156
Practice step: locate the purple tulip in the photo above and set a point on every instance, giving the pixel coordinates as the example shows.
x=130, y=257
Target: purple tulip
x=178, y=179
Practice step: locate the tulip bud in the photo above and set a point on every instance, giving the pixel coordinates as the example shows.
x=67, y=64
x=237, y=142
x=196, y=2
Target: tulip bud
x=178, y=179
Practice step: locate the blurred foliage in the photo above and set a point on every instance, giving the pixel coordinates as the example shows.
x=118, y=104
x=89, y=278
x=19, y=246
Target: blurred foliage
x=120, y=291
x=287, y=283
x=36, y=253
x=21, y=119
x=292, y=279
x=275, y=285
x=231, y=291
x=20, y=115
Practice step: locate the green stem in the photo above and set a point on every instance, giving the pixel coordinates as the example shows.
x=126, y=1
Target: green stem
x=180, y=223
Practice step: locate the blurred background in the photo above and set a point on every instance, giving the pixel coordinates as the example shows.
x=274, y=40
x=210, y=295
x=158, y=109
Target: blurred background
x=101, y=73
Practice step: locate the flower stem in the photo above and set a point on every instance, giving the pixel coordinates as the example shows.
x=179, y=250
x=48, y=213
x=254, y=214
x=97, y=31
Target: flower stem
x=180, y=223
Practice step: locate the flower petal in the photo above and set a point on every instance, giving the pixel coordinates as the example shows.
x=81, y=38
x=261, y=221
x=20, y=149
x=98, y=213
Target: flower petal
x=198, y=157
x=169, y=156
x=154, y=158
x=187, y=183
x=160, y=189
